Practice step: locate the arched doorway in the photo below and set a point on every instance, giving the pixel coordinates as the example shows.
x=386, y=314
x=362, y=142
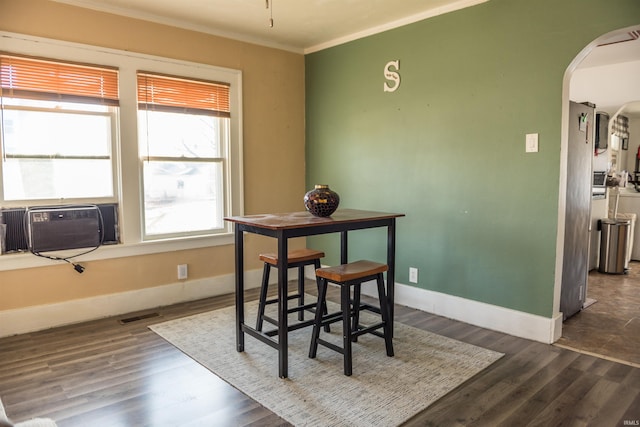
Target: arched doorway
x=603, y=75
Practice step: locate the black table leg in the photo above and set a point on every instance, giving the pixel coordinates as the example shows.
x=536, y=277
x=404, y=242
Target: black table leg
x=239, y=288
x=391, y=272
x=344, y=247
x=283, y=326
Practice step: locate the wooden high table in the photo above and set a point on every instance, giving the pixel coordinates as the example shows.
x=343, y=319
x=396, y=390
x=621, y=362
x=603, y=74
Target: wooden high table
x=299, y=224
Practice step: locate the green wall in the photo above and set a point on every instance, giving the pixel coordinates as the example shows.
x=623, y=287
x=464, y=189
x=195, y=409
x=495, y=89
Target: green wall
x=447, y=148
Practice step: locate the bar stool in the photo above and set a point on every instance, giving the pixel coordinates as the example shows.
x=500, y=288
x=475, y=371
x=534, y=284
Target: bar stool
x=296, y=258
x=346, y=276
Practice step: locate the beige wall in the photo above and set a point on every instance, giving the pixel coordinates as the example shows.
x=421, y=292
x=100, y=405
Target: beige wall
x=273, y=138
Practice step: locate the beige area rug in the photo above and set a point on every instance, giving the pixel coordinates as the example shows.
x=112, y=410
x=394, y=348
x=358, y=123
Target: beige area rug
x=383, y=391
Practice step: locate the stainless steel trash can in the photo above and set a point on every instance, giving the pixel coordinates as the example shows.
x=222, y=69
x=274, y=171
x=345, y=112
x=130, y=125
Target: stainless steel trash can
x=614, y=237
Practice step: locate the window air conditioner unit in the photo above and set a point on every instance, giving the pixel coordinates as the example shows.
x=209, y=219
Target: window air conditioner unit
x=13, y=227
x=12, y=235
x=65, y=227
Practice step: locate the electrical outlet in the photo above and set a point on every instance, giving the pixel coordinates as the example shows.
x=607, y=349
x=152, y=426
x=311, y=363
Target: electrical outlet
x=413, y=275
x=182, y=271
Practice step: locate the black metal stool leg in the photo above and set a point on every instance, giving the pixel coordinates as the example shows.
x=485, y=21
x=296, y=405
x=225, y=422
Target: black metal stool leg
x=301, y=291
x=315, y=334
x=327, y=328
x=384, y=312
x=345, y=292
x=356, y=310
x=263, y=296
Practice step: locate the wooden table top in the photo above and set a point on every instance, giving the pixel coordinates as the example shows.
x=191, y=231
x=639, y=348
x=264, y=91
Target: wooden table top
x=278, y=221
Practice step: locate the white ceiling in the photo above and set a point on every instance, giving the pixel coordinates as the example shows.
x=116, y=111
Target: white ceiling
x=608, y=76
x=306, y=26
x=626, y=50
x=298, y=25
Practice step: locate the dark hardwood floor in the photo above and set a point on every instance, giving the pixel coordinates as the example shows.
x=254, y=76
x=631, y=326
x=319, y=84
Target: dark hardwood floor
x=106, y=373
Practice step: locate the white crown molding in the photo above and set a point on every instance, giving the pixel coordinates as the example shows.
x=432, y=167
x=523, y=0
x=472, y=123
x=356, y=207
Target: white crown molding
x=452, y=7
x=186, y=25
x=101, y=7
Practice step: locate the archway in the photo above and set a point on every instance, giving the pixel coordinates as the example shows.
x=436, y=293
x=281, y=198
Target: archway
x=601, y=91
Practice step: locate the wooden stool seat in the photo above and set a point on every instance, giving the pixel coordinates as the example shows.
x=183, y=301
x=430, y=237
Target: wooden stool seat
x=354, y=270
x=348, y=276
x=296, y=258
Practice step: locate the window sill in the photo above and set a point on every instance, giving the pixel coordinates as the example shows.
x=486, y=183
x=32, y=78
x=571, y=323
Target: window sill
x=27, y=260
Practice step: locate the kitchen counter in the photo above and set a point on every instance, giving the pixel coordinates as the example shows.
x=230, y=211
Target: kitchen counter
x=629, y=191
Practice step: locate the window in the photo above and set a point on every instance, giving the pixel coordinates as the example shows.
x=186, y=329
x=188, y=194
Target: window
x=183, y=127
x=58, y=123
x=77, y=134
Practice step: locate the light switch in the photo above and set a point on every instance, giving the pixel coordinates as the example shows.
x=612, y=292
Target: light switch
x=531, y=143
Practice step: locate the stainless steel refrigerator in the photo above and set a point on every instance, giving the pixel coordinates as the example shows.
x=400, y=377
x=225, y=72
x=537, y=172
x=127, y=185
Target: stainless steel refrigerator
x=575, y=267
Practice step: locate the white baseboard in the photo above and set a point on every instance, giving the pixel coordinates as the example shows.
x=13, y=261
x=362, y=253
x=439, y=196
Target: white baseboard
x=496, y=318
x=512, y=322
x=36, y=318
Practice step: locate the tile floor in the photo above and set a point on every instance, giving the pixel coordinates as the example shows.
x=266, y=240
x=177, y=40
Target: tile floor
x=611, y=326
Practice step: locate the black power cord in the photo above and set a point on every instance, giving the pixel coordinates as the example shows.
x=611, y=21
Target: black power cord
x=77, y=267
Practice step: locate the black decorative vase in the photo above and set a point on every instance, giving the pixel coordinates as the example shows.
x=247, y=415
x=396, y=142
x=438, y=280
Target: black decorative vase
x=321, y=201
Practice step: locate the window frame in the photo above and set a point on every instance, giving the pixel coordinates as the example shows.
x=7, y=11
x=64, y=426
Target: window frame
x=55, y=86
x=168, y=94
x=113, y=115
x=129, y=172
